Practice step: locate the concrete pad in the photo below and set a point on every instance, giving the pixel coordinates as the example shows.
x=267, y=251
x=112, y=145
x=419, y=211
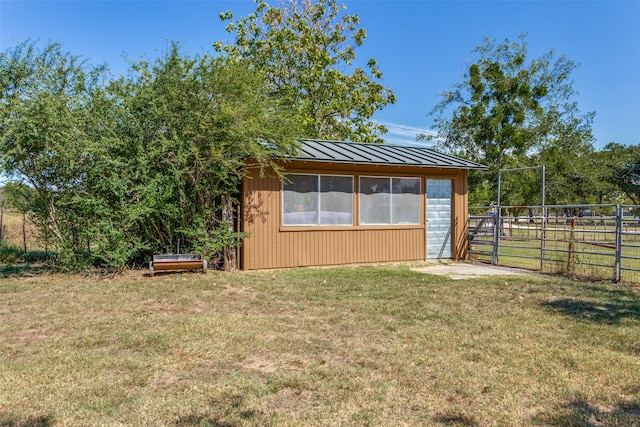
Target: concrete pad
x=459, y=271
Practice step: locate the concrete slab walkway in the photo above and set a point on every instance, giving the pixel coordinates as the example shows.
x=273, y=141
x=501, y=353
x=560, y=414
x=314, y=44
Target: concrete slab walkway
x=464, y=270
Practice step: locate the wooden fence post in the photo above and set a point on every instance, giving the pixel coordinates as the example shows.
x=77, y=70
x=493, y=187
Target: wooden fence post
x=1, y=215
x=24, y=231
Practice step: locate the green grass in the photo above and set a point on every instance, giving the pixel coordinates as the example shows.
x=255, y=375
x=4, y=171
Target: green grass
x=341, y=346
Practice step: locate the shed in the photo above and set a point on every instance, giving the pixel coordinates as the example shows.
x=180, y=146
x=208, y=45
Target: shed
x=346, y=203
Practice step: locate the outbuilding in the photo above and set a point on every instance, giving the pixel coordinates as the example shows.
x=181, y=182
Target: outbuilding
x=347, y=203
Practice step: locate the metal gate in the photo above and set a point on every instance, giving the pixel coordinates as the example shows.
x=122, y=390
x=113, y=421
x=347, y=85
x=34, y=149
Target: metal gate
x=595, y=241
x=629, y=256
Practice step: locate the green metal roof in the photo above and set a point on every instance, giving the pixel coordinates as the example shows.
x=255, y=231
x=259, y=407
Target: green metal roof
x=379, y=154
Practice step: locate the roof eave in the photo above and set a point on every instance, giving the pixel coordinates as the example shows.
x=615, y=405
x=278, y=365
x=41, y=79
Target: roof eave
x=415, y=165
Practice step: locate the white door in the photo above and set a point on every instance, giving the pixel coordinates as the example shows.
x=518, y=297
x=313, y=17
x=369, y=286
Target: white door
x=438, y=218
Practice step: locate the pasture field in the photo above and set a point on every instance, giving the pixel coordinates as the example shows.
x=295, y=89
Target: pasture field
x=12, y=231
x=366, y=345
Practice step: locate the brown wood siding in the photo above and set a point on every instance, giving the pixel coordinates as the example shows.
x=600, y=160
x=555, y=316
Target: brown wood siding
x=460, y=213
x=271, y=245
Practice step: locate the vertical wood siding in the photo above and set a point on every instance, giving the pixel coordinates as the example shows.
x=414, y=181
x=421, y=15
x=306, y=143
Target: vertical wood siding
x=460, y=214
x=270, y=245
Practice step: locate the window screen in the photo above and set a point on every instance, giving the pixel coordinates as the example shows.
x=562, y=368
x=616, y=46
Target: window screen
x=386, y=200
x=405, y=206
x=300, y=200
x=375, y=200
x=318, y=200
x=336, y=200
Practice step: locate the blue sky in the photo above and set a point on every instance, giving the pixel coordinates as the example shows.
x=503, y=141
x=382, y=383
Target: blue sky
x=422, y=47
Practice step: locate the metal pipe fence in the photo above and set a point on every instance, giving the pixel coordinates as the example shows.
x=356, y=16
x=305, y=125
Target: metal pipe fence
x=629, y=237
x=592, y=241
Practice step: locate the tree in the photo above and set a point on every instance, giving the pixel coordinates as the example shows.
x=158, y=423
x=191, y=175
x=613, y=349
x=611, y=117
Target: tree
x=305, y=51
x=624, y=170
x=190, y=125
x=573, y=175
x=53, y=127
x=112, y=171
x=628, y=180
x=508, y=108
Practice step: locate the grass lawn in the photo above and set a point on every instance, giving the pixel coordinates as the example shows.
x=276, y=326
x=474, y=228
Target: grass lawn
x=374, y=345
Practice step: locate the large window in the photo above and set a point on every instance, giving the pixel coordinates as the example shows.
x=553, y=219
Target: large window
x=386, y=200
x=318, y=200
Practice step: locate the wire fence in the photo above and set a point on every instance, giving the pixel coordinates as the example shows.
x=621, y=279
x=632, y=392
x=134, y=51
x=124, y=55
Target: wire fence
x=17, y=230
x=590, y=241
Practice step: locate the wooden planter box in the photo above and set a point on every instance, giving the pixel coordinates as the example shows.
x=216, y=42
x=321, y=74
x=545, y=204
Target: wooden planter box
x=177, y=262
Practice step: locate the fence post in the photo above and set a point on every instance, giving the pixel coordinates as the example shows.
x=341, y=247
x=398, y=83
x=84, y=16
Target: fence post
x=617, y=267
x=543, y=237
x=496, y=235
x=1, y=216
x=570, y=248
x=24, y=231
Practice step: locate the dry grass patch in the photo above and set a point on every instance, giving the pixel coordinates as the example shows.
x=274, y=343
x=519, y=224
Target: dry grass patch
x=344, y=346
x=14, y=232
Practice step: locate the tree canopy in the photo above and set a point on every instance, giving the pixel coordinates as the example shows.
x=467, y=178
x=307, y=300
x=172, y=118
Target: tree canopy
x=306, y=50
x=53, y=125
x=622, y=170
x=510, y=110
x=112, y=171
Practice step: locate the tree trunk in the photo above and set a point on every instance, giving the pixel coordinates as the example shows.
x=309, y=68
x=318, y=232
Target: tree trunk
x=230, y=251
x=54, y=224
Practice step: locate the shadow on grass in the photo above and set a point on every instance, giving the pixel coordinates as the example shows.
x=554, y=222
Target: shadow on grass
x=171, y=273
x=581, y=413
x=201, y=420
x=455, y=420
x=204, y=420
x=603, y=312
x=600, y=304
x=44, y=421
x=226, y=412
x=19, y=270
